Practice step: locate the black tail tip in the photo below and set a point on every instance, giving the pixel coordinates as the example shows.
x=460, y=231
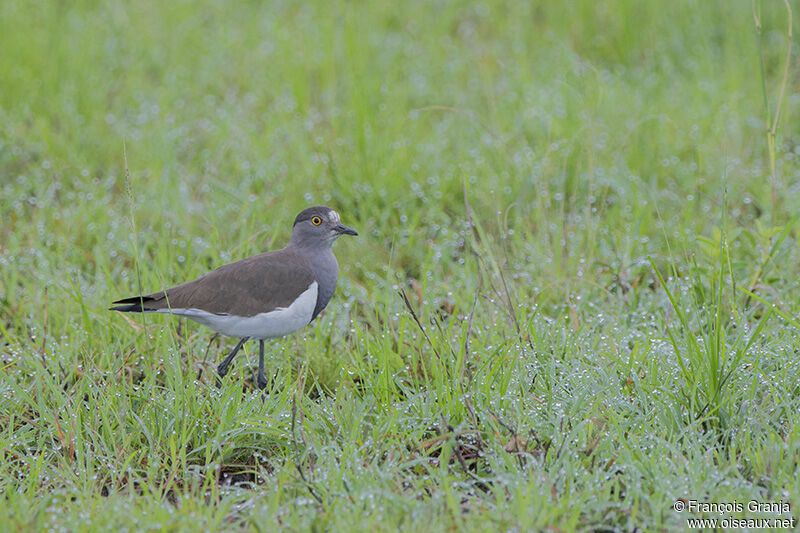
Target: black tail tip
x=132, y=308
x=134, y=304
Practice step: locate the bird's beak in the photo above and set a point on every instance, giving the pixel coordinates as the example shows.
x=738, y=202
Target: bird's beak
x=344, y=230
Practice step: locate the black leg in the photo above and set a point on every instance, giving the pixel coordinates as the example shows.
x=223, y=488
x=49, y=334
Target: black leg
x=222, y=369
x=262, y=379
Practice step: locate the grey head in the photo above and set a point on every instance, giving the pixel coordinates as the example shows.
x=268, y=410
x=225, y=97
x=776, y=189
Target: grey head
x=316, y=228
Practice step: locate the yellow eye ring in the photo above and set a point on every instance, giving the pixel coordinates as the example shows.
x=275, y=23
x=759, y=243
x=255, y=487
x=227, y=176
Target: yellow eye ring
x=316, y=221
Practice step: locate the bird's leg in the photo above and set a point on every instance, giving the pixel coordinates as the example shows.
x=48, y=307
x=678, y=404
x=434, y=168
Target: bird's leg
x=262, y=379
x=222, y=369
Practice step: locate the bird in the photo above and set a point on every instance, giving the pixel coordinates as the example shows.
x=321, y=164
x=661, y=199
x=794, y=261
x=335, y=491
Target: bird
x=261, y=297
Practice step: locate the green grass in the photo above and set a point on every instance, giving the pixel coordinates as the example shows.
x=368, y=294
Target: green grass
x=576, y=201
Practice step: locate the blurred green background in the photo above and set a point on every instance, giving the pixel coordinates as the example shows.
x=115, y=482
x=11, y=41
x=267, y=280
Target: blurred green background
x=537, y=154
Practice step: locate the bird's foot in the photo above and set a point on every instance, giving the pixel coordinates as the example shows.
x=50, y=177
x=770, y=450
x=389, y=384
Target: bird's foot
x=221, y=371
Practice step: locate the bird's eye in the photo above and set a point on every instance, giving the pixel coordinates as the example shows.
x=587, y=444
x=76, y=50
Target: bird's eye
x=316, y=221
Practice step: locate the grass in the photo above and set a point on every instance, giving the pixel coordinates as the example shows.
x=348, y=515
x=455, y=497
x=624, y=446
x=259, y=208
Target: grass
x=600, y=310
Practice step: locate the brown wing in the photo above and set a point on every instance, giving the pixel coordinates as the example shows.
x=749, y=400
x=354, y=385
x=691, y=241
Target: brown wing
x=248, y=287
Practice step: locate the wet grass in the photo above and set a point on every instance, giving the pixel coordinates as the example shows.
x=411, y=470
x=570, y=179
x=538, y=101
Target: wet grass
x=573, y=300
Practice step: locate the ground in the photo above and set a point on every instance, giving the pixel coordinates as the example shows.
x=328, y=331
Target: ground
x=573, y=302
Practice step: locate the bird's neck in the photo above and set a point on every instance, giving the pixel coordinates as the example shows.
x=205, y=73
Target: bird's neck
x=326, y=272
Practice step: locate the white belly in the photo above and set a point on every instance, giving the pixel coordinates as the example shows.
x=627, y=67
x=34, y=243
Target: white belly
x=276, y=323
